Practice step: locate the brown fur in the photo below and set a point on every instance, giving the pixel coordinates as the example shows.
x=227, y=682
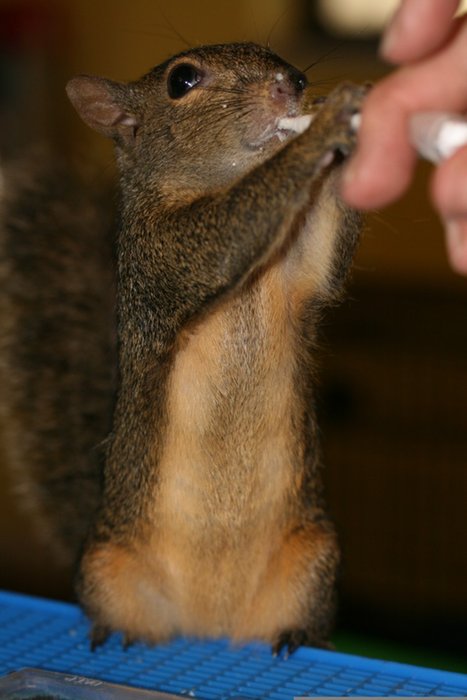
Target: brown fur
x=211, y=520
x=57, y=345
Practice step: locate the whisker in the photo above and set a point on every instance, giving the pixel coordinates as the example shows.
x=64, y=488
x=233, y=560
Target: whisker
x=325, y=56
x=188, y=44
x=355, y=36
x=150, y=33
x=330, y=82
x=275, y=25
x=231, y=91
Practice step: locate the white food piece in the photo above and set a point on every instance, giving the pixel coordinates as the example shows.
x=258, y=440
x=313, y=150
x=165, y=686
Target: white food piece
x=297, y=124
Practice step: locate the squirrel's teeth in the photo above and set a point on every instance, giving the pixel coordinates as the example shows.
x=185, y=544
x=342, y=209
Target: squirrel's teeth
x=297, y=124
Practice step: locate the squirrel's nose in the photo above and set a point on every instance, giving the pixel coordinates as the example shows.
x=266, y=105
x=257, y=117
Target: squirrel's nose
x=288, y=84
x=298, y=79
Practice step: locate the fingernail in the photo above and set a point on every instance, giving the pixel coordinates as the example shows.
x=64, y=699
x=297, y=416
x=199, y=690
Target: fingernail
x=391, y=34
x=456, y=240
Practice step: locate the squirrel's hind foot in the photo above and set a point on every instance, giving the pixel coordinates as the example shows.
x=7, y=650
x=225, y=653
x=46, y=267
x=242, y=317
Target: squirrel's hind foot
x=99, y=635
x=291, y=640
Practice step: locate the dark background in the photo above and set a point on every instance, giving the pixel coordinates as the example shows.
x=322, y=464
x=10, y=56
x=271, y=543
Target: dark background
x=393, y=390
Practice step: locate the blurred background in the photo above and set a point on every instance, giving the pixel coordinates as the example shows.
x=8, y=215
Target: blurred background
x=393, y=390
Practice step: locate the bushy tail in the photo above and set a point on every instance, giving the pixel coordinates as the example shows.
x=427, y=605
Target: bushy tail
x=57, y=344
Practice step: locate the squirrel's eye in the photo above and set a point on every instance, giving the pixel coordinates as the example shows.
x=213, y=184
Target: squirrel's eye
x=182, y=79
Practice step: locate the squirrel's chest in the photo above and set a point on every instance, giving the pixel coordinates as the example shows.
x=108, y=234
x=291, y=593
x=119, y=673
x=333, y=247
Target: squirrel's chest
x=231, y=410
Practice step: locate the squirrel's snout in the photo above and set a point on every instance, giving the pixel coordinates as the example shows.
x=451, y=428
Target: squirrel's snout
x=287, y=84
x=298, y=79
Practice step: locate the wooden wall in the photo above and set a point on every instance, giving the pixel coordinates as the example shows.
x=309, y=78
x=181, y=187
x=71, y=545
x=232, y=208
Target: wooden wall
x=394, y=380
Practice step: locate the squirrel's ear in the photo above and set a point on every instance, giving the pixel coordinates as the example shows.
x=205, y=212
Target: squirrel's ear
x=101, y=104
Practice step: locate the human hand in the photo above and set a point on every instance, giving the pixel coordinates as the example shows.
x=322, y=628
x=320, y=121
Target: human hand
x=433, y=50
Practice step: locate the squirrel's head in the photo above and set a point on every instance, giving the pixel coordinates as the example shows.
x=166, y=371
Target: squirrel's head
x=200, y=120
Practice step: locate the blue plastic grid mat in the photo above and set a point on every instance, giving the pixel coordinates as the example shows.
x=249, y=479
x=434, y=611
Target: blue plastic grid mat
x=54, y=636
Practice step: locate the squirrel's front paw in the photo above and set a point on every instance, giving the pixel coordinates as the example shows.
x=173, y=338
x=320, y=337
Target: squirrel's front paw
x=337, y=118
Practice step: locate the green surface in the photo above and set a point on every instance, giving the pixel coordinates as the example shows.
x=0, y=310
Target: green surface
x=377, y=648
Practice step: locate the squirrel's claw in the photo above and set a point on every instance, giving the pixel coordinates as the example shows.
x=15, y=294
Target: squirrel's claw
x=290, y=640
x=127, y=641
x=99, y=635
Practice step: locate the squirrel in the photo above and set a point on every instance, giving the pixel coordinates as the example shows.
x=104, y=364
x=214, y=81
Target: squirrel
x=159, y=397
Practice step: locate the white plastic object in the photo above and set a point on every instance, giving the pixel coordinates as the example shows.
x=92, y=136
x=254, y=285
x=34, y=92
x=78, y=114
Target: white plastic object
x=437, y=135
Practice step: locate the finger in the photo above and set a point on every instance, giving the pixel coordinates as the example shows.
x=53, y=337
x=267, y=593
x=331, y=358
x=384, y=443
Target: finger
x=449, y=186
x=449, y=194
x=382, y=166
x=417, y=29
x=456, y=243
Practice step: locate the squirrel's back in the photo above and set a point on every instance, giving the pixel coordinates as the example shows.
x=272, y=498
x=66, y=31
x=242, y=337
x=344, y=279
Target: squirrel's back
x=57, y=344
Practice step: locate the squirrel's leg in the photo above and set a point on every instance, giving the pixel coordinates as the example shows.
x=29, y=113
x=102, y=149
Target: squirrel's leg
x=298, y=590
x=124, y=590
